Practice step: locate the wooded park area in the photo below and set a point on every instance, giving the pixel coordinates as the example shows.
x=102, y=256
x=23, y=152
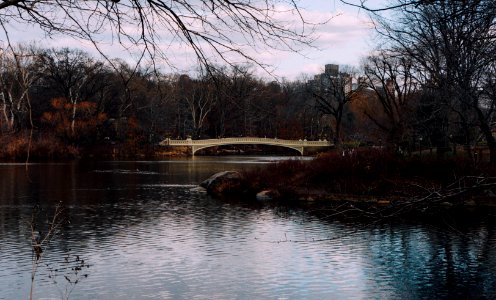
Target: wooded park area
x=431, y=83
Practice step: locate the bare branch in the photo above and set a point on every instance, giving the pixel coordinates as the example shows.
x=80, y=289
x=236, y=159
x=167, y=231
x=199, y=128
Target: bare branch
x=212, y=29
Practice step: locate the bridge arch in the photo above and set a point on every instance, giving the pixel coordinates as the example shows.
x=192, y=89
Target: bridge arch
x=195, y=149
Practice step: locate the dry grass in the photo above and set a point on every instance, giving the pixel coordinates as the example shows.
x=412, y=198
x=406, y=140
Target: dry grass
x=42, y=147
x=370, y=172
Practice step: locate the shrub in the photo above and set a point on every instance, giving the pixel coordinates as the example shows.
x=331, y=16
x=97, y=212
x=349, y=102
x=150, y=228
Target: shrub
x=364, y=171
x=41, y=147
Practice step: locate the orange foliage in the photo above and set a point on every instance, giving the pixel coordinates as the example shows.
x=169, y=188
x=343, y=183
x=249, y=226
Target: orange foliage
x=39, y=146
x=58, y=103
x=86, y=120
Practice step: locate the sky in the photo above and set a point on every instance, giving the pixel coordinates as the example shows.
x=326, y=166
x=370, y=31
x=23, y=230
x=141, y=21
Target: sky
x=343, y=40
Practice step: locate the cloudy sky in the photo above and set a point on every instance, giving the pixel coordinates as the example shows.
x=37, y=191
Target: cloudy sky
x=343, y=40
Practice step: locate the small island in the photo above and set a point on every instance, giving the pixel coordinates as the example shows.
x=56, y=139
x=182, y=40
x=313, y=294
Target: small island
x=369, y=183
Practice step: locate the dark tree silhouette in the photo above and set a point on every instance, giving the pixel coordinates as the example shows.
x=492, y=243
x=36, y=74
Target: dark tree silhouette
x=332, y=92
x=381, y=6
x=392, y=78
x=452, y=43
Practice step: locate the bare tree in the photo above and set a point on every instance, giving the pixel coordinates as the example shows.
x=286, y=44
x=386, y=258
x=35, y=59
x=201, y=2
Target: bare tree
x=381, y=6
x=453, y=45
x=213, y=29
x=17, y=76
x=71, y=73
x=241, y=90
x=392, y=79
x=332, y=91
x=157, y=95
x=200, y=99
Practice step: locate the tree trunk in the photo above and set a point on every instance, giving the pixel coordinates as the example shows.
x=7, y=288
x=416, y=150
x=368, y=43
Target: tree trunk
x=488, y=135
x=74, y=108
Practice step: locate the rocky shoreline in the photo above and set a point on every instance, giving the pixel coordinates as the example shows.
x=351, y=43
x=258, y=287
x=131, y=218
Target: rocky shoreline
x=479, y=195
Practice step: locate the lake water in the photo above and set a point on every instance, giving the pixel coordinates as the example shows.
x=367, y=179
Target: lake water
x=138, y=232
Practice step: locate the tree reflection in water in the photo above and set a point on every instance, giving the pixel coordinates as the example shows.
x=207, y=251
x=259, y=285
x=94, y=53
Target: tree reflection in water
x=145, y=234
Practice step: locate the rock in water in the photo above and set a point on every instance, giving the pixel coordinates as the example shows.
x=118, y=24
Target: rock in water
x=224, y=183
x=199, y=190
x=267, y=195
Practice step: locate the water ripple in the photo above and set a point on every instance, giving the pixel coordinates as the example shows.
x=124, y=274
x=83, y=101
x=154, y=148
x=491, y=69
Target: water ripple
x=156, y=240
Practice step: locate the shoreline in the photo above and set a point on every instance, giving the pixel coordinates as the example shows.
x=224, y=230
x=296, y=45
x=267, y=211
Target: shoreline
x=375, y=184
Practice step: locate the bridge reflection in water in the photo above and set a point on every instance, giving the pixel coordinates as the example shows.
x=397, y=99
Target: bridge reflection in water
x=298, y=145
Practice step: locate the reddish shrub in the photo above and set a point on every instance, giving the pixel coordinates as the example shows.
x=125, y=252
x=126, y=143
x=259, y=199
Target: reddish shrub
x=367, y=171
x=40, y=147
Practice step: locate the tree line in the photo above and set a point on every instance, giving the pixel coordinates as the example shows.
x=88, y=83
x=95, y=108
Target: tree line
x=438, y=60
x=430, y=84
x=72, y=99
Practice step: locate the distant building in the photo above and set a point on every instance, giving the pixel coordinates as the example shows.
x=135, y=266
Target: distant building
x=360, y=83
x=332, y=70
x=332, y=79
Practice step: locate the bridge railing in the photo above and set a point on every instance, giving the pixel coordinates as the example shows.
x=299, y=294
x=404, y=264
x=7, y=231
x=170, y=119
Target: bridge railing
x=244, y=140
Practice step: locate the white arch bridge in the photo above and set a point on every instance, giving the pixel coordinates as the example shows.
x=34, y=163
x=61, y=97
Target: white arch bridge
x=196, y=145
